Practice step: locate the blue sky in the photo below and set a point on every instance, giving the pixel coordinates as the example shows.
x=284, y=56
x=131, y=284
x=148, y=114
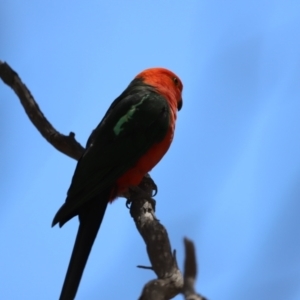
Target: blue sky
x=231, y=180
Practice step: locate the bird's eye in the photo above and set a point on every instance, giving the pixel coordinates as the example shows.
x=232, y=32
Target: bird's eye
x=175, y=79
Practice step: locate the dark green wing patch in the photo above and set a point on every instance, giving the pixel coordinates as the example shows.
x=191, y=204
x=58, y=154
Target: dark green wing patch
x=128, y=115
x=135, y=121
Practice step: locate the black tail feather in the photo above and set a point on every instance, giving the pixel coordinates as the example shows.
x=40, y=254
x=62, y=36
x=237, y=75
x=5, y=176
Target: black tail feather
x=90, y=221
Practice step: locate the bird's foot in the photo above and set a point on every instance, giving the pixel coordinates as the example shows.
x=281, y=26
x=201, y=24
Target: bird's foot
x=137, y=193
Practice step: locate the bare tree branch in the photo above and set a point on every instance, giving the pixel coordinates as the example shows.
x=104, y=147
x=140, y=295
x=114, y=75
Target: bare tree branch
x=63, y=143
x=163, y=261
x=170, y=281
x=190, y=272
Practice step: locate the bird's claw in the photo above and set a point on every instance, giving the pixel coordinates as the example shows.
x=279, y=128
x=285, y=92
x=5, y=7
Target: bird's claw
x=128, y=203
x=155, y=188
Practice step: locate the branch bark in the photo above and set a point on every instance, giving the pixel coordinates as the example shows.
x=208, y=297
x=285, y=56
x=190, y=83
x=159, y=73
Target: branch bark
x=170, y=281
x=163, y=260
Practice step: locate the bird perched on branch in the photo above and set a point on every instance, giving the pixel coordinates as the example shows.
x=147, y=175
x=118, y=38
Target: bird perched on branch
x=131, y=139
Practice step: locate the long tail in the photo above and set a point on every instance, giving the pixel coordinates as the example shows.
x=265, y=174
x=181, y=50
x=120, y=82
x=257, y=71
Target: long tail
x=90, y=221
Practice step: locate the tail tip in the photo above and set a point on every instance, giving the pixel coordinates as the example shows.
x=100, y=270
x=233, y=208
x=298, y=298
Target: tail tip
x=54, y=222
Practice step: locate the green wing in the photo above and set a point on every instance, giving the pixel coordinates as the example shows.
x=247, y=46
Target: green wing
x=135, y=121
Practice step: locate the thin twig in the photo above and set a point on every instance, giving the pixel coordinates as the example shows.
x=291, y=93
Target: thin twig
x=63, y=143
x=190, y=272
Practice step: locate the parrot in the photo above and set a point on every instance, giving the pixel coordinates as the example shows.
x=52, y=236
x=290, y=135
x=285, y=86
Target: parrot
x=133, y=136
